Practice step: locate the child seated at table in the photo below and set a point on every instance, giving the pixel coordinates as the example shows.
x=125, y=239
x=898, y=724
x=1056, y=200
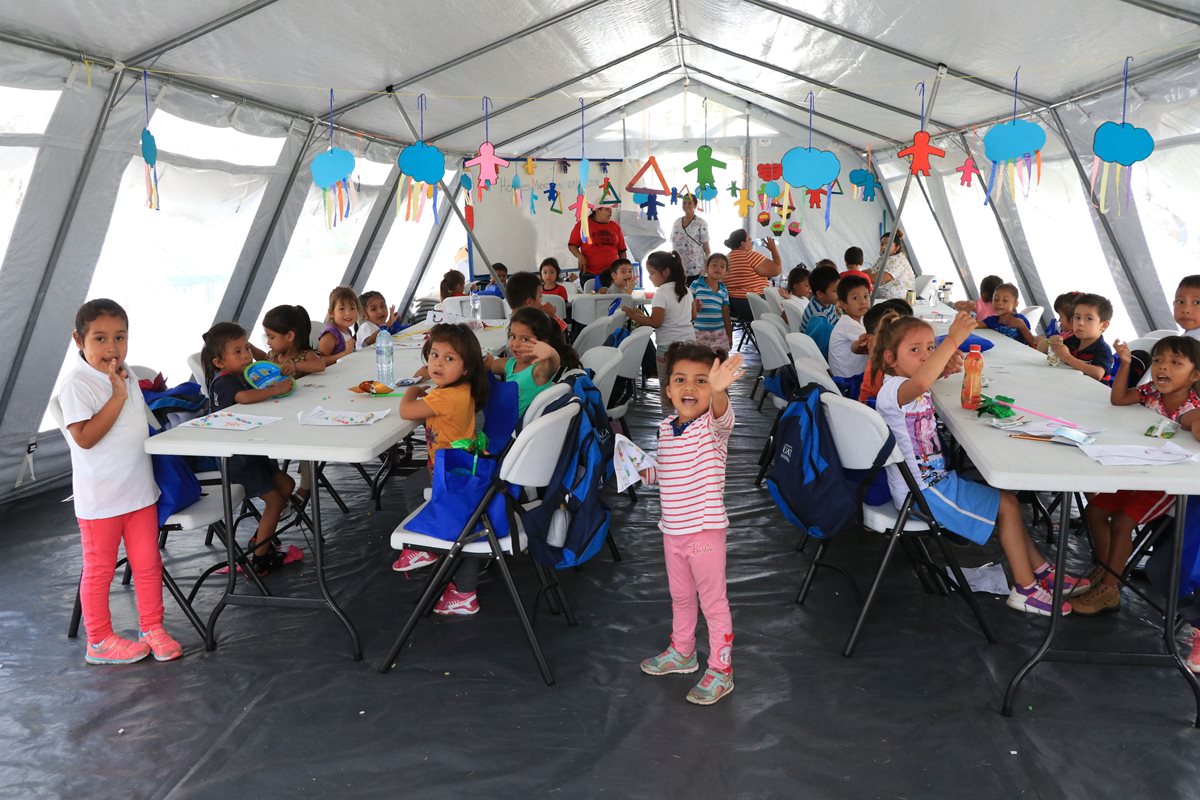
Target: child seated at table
x=1112, y=516
x=981, y=308
x=336, y=340
x=1187, y=306
x=797, y=284
x=550, y=273
x=494, y=288
x=377, y=315
x=524, y=290
x=907, y=356
x=1005, y=320
x=853, y=258
x=620, y=278
x=1085, y=349
x=821, y=314
x=849, y=342
x=877, y=315
x=536, y=353
x=225, y=356
x=1064, y=310
x=454, y=284
x=288, y=332
x=454, y=365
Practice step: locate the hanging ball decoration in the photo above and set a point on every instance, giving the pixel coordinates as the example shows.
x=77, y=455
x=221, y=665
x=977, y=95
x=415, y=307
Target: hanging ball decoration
x=772, y=189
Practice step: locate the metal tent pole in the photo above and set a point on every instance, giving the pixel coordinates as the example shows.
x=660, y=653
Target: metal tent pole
x=197, y=32
x=1166, y=10
x=351, y=279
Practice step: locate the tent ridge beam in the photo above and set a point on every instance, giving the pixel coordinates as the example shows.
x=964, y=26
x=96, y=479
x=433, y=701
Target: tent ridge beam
x=487, y=48
x=677, y=27
x=1166, y=10
x=197, y=32
x=551, y=90
x=866, y=41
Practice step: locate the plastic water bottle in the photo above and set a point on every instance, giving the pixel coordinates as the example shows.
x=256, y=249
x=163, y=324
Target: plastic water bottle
x=383, y=358
x=972, y=386
x=476, y=311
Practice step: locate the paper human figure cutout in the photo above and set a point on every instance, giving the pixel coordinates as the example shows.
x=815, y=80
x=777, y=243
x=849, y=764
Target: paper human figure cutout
x=552, y=196
x=1010, y=142
x=733, y=190
x=920, y=151
x=865, y=183
x=968, y=170
x=703, y=166
x=635, y=186
x=608, y=194
x=488, y=163
x=814, y=197
x=422, y=162
x=1119, y=145
x=744, y=203
x=530, y=166
x=580, y=207
x=674, y=196
x=651, y=206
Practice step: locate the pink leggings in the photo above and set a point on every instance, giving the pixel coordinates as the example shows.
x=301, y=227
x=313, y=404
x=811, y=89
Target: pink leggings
x=696, y=565
x=101, y=539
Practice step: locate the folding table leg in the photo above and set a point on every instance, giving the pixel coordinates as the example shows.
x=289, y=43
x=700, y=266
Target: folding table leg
x=1172, y=646
x=319, y=557
x=612, y=545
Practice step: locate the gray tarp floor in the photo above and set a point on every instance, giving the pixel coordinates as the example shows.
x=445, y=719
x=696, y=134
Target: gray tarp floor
x=281, y=710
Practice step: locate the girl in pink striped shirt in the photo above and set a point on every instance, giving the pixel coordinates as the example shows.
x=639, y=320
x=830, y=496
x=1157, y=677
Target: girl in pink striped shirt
x=692, y=449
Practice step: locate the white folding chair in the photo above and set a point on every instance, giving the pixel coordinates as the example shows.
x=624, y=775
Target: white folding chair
x=529, y=462
x=604, y=363
x=490, y=307
x=776, y=321
x=804, y=346
x=543, y=399
x=1161, y=333
x=593, y=335
x=1034, y=315
x=458, y=306
x=758, y=305
x=633, y=349
x=587, y=308
x=774, y=300
x=810, y=370
x=195, y=363
x=143, y=373
x=572, y=288
x=793, y=308
x=314, y=332
x=860, y=435
x=1144, y=343
x=560, y=305
x=772, y=351
x=924, y=286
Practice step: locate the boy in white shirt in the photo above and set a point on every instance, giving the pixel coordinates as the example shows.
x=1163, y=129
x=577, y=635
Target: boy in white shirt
x=848, y=344
x=1187, y=306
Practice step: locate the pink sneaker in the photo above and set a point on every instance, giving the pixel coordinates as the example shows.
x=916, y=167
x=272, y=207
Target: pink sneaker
x=454, y=603
x=1193, y=660
x=115, y=650
x=161, y=644
x=413, y=559
x=1071, y=586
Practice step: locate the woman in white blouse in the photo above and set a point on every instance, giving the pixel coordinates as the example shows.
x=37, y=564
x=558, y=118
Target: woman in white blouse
x=689, y=238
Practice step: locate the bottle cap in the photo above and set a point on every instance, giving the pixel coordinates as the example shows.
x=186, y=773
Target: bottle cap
x=974, y=348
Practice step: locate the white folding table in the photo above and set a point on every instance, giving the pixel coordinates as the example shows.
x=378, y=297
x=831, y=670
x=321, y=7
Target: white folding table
x=1022, y=373
x=287, y=439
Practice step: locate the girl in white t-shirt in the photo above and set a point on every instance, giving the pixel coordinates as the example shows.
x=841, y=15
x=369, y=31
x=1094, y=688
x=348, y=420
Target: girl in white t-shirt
x=671, y=311
x=104, y=422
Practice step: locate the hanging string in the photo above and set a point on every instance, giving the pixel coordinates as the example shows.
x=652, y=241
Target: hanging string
x=146, y=92
x=704, y=105
x=487, y=101
x=421, y=102
x=582, y=132
x=920, y=87
x=331, y=117
x=1016, y=77
x=1125, y=89
x=812, y=98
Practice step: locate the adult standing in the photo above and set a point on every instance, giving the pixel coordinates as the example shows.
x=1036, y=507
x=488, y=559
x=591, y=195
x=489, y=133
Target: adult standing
x=898, y=277
x=605, y=242
x=689, y=238
x=749, y=271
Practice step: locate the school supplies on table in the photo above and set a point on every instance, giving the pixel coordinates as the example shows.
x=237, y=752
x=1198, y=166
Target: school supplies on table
x=1136, y=455
x=261, y=374
x=377, y=389
x=320, y=416
x=628, y=461
x=228, y=421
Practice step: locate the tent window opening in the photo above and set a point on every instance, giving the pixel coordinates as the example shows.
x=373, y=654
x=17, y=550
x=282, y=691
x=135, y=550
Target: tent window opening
x=921, y=234
x=1161, y=193
x=978, y=232
x=393, y=269
x=174, y=134
x=26, y=110
x=169, y=268
x=16, y=165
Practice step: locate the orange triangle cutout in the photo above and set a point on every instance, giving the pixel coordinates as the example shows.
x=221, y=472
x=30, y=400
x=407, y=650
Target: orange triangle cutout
x=633, y=187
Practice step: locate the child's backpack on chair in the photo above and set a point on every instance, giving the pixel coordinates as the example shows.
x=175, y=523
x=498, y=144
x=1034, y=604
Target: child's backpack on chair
x=570, y=523
x=593, y=407
x=805, y=475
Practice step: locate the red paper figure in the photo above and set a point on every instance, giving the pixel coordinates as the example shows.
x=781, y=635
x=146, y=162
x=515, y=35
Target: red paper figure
x=920, y=151
x=814, y=197
x=968, y=170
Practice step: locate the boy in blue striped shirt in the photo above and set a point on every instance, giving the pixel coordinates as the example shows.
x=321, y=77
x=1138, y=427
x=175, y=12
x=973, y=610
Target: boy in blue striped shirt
x=713, y=326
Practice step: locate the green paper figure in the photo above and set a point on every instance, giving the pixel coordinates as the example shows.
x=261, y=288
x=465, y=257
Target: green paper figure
x=703, y=166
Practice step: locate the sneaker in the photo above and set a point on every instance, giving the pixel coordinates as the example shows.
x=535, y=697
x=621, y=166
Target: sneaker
x=161, y=644
x=670, y=662
x=711, y=688
x=1071, y=586
x=454, y=603
x=115, y=650
x=1102, y=599
x=1193, y=660
x=413, y=559
x=1034, y=600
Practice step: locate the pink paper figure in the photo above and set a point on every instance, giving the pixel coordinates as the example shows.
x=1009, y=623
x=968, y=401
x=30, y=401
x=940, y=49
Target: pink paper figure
x=921, y=150
x=968, y=170
x=488, y=163
x=579, y=206
x=814, y=197
x=651, y=205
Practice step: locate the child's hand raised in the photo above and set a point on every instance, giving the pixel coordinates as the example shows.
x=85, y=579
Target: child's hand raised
x=391, y=317
x=542, y=351
x=962, y=327
x=1122, y=350
x=724, y=373
x=116, y=376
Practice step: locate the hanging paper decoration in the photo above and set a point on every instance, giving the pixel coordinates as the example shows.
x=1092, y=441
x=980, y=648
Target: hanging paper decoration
x=772, y=189
x=532, y=198
x=794, y=228
x=967, y=171
x=516, y=190
x=331, y=172
x=703, y=166
x=486, y=159
x=836, y=188
x=530, y=166
x=865, y=183
x=786, y=206
x=708, y=192
x=744, y=203
x=814, y=197
x=581, y=207
x=552, y=196
x=1123, y=145
x=733, y=190
x=770, y=172
x=674, y=196
x=425, y=165
x=581, y=204
x=651, y=206
x=604, y=165
x=1010, y=142
x=777, y=227
x=661, y=189
x=811, y=168
x=149, y=153
x=920, y=150
x=608, y=194
x=764, y=218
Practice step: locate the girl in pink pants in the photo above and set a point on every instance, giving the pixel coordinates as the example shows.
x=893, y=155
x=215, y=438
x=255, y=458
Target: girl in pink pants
x=692, y=449
x=104, y=421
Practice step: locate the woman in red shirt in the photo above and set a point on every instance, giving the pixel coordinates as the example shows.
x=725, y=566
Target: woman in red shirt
x=605, y=242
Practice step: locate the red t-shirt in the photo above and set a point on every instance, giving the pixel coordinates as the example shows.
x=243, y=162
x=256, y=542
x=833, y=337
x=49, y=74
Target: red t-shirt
x=559, y=290
x=605, y=241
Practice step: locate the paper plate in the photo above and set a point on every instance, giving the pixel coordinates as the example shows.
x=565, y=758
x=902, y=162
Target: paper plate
x=261, y=374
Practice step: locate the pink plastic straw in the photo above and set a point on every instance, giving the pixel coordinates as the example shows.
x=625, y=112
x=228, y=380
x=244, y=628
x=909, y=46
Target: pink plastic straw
x=1040, y=414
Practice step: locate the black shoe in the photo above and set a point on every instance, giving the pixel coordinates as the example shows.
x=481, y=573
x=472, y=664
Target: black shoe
x=267, y=563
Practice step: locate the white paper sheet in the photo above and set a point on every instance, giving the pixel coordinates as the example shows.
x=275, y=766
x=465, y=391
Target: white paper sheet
x=319, y=416
x=225, y=421
x=989, y=578
x=1134, y=455
x=628, y=461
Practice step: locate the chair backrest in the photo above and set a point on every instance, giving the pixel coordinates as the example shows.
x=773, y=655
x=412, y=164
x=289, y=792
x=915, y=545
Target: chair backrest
x=1160, y=333
x=804, y=346
x=858, y=431
x=604, y=362
x=314, y=332
x=586, y=308
x=572, y=288
x=490, y=307
x=633, y=348
x=544, y=398
x=774, y=301
x=143, y=373
x=458, y=306
x=924, y=286
x=771, y=345
x=758, y=305
x=617, y=320
x=774, y=319
x=196, y=365
x=1034, y=315
x=560, y=305
x=593, y=335
x=794, y=310
x=809, y=370
x=531, y=460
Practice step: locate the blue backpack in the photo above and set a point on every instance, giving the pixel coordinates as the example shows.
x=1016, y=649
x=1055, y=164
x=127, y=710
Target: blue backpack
x=570, y=524
x=805, y=476
x=593, y=408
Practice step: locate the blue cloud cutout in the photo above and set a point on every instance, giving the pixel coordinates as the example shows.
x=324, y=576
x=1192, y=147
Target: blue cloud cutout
x=464, y=180
x=332, y=166
x=708, y=192
x=422, y=162
x=859, y=177
x=772, y=189
x=640, y=198
x=809, y=167
x=1122, y=143
x=149, y=148
x=1010, y=141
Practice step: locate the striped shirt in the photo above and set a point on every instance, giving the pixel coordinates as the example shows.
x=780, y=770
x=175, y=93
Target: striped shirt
x=712, y=306
x=817, y=309
x=741, y=277
x=691, y=474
